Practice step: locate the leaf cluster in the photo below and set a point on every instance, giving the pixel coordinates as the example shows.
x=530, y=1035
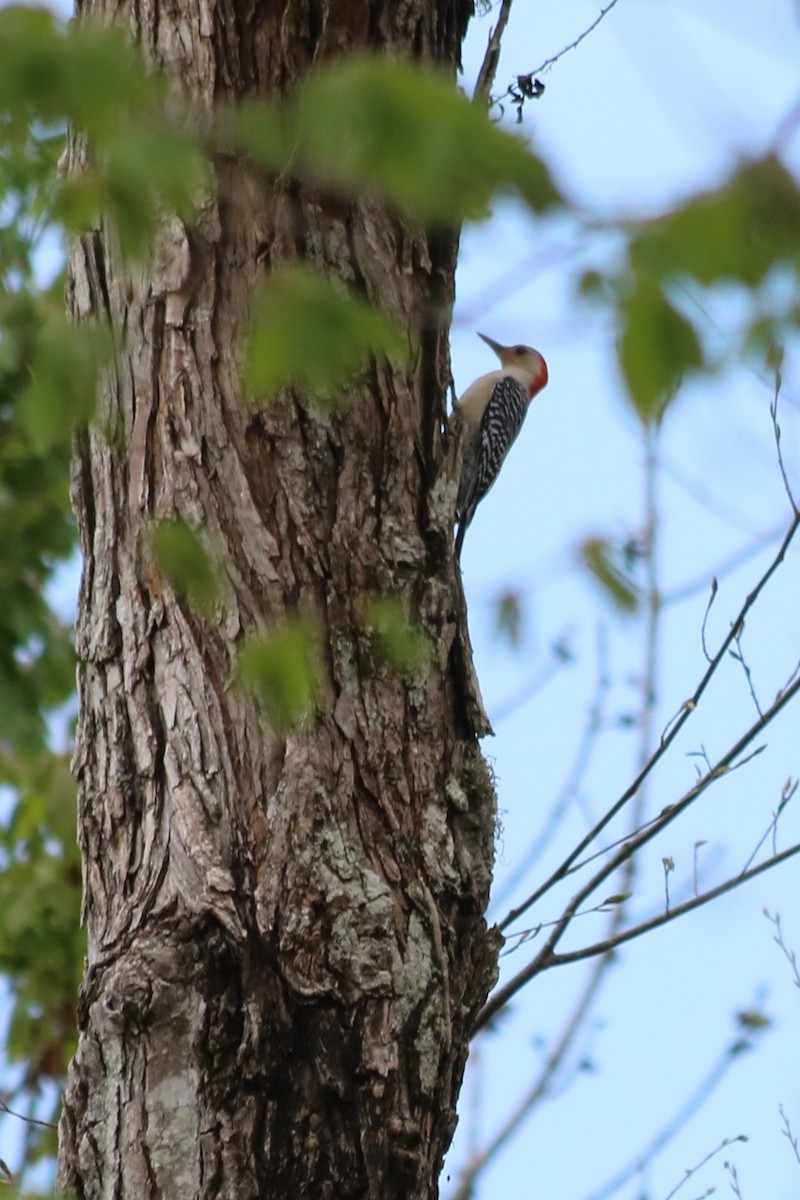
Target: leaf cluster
x=401, y=132
x=743, y=236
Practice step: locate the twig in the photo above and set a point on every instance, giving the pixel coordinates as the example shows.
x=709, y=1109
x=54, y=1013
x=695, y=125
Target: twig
x=773, y=412
x=26, y=1119
x=526, y=87
x=679, y=910
x=779, y=941
x=693, y=1170
x=788, y=793
x=548, y=62
x=669, y=866
x=787, y=1133
x=738, y=654
x=618, y=902
x=731, y=1169
x=706, y=614
x=656, y=822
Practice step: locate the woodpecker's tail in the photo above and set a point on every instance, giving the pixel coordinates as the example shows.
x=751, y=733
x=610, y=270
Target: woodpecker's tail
x=462, y=529
x=463, y=516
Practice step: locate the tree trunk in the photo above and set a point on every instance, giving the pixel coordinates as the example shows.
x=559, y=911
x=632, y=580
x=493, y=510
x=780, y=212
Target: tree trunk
x=287, y=947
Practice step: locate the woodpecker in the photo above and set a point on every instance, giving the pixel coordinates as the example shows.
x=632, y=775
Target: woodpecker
x=490, y=413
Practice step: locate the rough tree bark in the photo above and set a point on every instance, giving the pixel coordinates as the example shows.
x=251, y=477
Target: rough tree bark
x=286, y=938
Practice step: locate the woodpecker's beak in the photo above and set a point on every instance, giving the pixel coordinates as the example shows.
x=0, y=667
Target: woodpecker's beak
x=498, y=349
x=489, y=341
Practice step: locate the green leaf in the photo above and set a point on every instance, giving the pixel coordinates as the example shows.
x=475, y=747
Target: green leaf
x=257, y=130
x=150, y=170
x=183, y=559
x=282, y=669
x=597, y=555
x=657, y=346
x=145, y=172
x=41, y=943
x=409, y=134
x=32, y=63
x=62, y=389
x=401, y=645
x=51, y=72
x=140, y=164
x=308, y=333
x=738, y=232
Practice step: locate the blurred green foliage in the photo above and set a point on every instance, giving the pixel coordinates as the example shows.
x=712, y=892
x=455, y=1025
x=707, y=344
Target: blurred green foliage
x=312, y=334
x=743, y=235
x=282, y=670
x=182, y=557
x=607, y=567
x=372, y=126
x=509, y=617
x=400, y=645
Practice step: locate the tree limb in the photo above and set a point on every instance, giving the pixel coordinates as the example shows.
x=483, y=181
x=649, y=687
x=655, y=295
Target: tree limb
x=547, y=958
x=483, y=87
x=668, y=737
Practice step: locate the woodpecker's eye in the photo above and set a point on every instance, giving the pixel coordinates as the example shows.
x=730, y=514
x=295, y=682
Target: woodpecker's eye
x=520, y=350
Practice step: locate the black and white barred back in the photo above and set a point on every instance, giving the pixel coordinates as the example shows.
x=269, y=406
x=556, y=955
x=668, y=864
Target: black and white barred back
x=500, y=425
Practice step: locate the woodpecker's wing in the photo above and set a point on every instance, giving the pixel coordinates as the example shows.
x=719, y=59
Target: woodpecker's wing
x=502, y=421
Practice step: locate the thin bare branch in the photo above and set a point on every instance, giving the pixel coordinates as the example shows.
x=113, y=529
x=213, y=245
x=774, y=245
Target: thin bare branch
x=679, y=910
x=27, y=1119
x=653, y=823
x=689, y=706
x=549, y=62
x=547, y=957
x=731, y=1169
x=706, y=614
x=693, y=1170
x=778, y=938
x=738, y=654
x=528, y=87
x=787, y=1133
x=773, y=412
x=616, y=905
x=788, y=794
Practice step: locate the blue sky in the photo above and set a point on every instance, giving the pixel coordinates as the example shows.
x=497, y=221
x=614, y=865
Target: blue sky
x=660, y=101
